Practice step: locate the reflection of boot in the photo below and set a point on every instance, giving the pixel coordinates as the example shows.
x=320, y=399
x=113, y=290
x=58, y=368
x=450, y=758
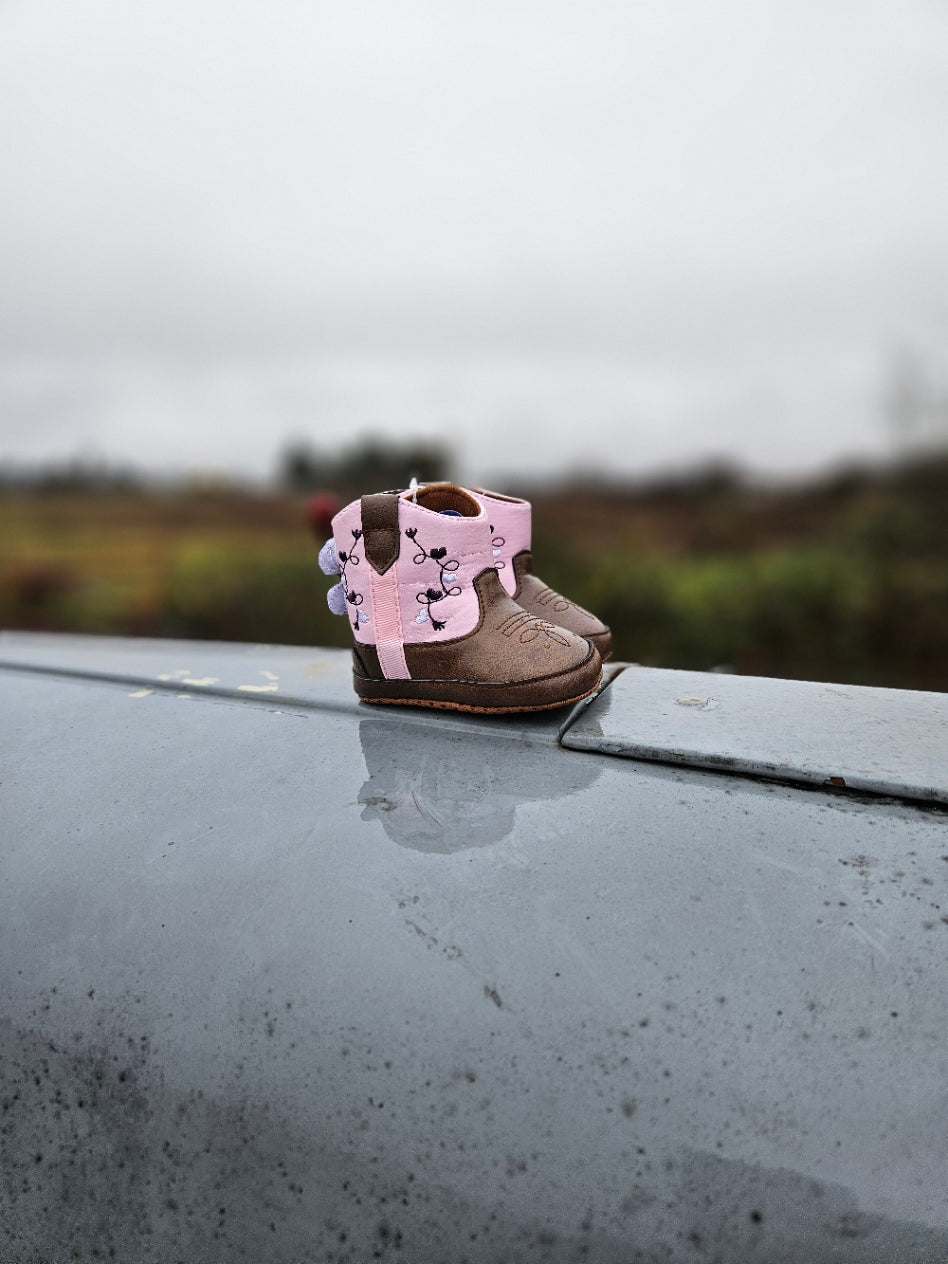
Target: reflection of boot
x=433, y=625
x=434, y=796
x=510, y=535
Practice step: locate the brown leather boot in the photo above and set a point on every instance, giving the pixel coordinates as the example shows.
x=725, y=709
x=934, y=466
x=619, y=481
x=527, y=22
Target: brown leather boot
x=510, y=532
x=433, y=625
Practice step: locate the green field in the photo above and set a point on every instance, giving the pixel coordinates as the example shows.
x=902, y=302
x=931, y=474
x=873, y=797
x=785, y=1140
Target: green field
x=847, y=581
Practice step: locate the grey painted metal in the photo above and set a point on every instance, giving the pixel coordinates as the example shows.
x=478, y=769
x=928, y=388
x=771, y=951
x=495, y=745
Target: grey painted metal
x=303, y=984
x=881, y=741
x=277, y=676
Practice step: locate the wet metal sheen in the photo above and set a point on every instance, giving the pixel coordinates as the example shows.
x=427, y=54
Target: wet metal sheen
x=285, y=979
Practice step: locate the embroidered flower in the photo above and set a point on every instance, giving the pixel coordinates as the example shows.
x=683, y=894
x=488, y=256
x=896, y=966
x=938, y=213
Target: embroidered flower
x=335, y=561
x=328, y=562
x=446, y=567
x=497, y=544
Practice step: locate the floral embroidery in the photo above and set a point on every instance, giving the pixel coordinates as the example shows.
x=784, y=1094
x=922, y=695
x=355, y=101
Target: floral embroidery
x=347, y=560
x=431, y=596
x=497, y=542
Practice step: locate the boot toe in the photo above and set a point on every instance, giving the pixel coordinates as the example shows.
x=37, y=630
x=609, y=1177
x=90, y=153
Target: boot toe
x=602, y=641
x=536, y=598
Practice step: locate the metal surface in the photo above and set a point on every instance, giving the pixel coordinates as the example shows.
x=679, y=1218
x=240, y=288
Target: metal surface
x=881, y=741
x=330, y=984
x=278, y=676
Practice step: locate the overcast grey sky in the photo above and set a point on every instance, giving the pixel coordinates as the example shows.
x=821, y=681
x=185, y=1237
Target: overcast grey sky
x=627, y=233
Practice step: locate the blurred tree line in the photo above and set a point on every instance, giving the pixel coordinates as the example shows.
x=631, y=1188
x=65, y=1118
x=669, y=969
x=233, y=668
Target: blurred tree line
x=301, y=467
x=846, y=579
x=369, y=463
x=79, y=475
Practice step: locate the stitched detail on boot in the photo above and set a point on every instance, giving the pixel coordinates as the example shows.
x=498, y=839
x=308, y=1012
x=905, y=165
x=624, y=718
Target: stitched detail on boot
x=431, y=596
x=348, y=558
x=547, y=597
x=497, y=547
x=526, y=627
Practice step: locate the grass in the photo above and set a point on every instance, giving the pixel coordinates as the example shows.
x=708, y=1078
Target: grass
x=847, y=581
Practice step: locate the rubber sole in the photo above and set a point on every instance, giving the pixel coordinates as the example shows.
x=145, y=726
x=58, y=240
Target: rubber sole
x=399, y=693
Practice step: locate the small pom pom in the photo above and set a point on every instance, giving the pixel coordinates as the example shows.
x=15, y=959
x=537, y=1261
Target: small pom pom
x=336, y=599
x=328, y=562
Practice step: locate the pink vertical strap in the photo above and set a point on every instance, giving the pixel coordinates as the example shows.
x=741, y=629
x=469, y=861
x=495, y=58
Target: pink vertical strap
x=389, y=639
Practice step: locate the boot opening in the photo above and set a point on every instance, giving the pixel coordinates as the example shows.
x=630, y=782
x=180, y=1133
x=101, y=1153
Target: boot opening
x=510, y=500
x=439, y=497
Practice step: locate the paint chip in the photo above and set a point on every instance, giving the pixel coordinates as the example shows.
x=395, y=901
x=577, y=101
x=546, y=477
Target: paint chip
x=270, y=688
x=701, y=704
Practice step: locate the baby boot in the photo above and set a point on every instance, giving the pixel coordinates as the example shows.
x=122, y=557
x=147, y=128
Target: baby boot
x=510, y=543
x=433, y=625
